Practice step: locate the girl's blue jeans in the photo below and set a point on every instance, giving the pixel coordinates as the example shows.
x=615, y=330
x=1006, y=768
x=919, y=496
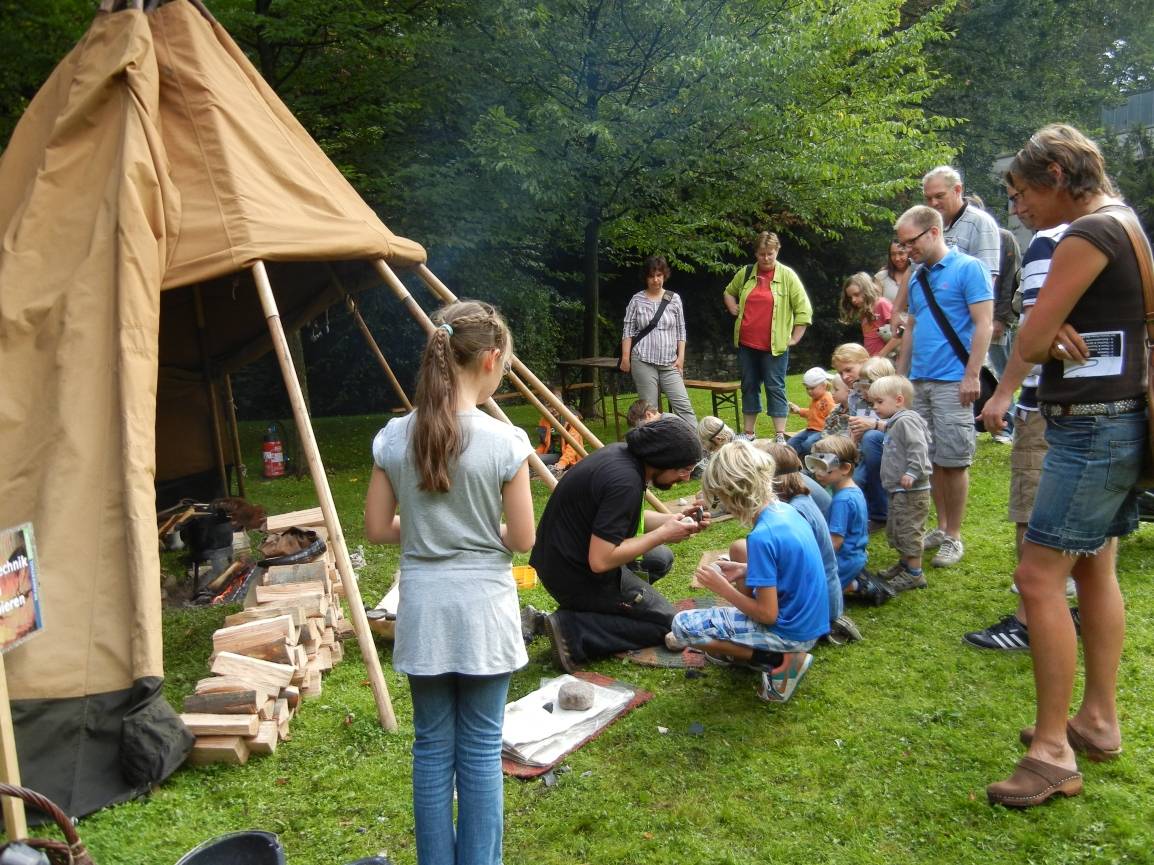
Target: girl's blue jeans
x=457, y=720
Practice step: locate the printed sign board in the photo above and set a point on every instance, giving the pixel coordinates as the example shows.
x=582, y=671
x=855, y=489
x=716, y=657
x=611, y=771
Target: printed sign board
x=19, y=588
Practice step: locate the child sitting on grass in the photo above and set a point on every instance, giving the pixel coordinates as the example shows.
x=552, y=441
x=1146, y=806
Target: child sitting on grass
x=832, y=462
x=906, y=475
x=780, y=607
x=641, y=411
x=816, y=381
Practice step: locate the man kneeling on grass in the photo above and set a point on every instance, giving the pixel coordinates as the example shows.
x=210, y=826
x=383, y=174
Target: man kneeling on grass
x=780, y=605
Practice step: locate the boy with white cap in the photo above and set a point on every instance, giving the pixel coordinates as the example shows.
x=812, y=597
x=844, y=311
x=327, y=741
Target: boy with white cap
x=821, y=403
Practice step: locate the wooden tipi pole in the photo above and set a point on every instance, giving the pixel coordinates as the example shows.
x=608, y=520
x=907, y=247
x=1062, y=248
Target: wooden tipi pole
x=351, y=305
x=402, y=294
x=442, y=291
x=324, y=494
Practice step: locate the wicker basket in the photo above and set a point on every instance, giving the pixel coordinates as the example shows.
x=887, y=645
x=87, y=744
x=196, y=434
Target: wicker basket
x=71, y=851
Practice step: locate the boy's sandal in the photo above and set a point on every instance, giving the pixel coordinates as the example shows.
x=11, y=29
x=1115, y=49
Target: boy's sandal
x=1033, y=782
x=1079, y=742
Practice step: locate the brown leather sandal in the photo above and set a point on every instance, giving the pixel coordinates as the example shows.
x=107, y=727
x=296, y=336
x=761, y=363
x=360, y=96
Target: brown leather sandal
x=1032, y=783
x=1079, y=742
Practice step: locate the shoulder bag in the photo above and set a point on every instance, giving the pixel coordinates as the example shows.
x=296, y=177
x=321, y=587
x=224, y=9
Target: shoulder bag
x=644, y=332
x=987, y=381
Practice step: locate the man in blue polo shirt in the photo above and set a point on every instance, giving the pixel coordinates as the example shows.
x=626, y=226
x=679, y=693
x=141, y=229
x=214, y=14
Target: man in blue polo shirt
x=945, y=387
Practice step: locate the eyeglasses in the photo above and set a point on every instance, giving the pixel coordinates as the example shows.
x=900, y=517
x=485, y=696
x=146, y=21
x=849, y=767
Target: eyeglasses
x=821, y=462
x=906, y=244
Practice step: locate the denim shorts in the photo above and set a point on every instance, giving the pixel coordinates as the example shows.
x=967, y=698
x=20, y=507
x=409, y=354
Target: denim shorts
x=1086, y=494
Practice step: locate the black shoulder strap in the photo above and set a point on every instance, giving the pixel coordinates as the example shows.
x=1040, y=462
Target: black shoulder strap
x=944, y=325
x=644, y=332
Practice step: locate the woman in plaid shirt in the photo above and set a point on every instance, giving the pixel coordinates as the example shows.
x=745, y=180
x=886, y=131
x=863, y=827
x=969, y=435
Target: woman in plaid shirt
x=657, y=360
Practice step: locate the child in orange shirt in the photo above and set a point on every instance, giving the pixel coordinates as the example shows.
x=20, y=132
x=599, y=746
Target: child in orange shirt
x=816, y=381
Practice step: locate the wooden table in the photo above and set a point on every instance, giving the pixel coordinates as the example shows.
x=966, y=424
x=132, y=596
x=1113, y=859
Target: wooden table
x=570, y=374
x=723, y=393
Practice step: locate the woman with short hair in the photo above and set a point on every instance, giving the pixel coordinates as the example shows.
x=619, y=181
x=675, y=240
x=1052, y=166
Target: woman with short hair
x=772, y=312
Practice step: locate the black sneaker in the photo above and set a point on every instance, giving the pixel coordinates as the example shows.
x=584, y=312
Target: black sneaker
x=1008, y=635
x=870, y=590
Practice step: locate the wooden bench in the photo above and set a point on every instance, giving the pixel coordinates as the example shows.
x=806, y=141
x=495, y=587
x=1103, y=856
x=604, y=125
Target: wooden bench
x=722, y=393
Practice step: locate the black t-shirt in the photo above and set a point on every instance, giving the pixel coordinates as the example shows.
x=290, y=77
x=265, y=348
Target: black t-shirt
x=1112, y=309
x=601, y=495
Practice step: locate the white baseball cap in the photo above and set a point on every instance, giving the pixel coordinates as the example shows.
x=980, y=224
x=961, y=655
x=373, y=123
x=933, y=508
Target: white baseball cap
x=814, y=376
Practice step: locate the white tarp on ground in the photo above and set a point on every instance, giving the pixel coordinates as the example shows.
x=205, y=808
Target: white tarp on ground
x=537, y=736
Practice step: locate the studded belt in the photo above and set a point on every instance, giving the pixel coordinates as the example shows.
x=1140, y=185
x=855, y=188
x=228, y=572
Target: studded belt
x=1121, y=406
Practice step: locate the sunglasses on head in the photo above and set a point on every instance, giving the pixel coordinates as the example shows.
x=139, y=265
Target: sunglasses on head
x=821, y=462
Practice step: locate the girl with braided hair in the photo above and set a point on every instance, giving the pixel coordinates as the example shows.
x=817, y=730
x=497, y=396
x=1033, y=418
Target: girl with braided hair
x=443, y=477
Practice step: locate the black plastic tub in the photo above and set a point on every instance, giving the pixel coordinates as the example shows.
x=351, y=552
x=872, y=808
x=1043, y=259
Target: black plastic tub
x=251, y=847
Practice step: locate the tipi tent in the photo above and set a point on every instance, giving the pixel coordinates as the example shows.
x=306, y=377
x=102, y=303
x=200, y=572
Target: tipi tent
x=161, y=212
x=151, y=173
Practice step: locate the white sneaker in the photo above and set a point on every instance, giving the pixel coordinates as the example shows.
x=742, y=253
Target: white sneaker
x=673, y=644
x=1071, y=588
x=933, y=539
x=949, y=553
x=745, y=437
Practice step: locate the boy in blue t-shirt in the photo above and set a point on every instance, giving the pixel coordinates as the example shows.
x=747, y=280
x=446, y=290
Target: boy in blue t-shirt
x=832, y=462
x=780, y=604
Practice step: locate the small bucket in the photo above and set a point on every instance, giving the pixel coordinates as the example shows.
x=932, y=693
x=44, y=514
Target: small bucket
x=525, y=576
x=237, y=848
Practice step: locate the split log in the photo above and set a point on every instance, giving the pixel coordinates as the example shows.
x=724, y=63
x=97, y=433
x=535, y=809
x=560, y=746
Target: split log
x=279, y=522
x=264, y=674
x=312, y=684
x=265, y=713
x=306, y=572
x=277, y=651
x=324, y=659
x=292, y=695
x=219, y=749
x=221, y=725
x=222, y=703
x=267, y=611
x=266, y=738
x=238, y=638
x=230, y=684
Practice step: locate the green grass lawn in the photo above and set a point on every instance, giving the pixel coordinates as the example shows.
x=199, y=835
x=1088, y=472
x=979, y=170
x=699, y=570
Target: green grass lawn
x=881, y=757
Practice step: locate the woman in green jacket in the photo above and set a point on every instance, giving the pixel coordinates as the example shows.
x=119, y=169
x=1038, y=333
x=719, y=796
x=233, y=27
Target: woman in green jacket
x=772, y=312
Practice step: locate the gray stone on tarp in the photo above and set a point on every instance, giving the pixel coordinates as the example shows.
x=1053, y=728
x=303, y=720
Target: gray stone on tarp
x=575, y=696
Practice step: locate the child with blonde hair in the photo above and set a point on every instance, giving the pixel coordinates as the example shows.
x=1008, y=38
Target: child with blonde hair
x=714, y=433
x=780, y=606
x=863, y=301
x=906, y=474
x=832, y=462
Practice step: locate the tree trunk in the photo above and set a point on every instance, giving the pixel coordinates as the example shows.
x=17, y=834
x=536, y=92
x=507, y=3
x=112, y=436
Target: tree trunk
x=592, y=296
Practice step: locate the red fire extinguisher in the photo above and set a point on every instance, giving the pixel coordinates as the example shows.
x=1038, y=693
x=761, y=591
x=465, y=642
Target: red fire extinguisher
x=272, y=452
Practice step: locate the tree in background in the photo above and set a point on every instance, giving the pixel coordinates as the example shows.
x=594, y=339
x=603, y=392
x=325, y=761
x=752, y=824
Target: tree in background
x=1016, y=65
x=608, y=130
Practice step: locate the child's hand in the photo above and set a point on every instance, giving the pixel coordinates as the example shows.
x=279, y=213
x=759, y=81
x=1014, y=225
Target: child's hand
x=732, y=571
x=907, y=482
x=794, y=407
x=710, y=578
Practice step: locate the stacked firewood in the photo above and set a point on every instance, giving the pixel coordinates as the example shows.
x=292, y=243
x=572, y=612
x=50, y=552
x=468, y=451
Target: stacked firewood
x=268, y=657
